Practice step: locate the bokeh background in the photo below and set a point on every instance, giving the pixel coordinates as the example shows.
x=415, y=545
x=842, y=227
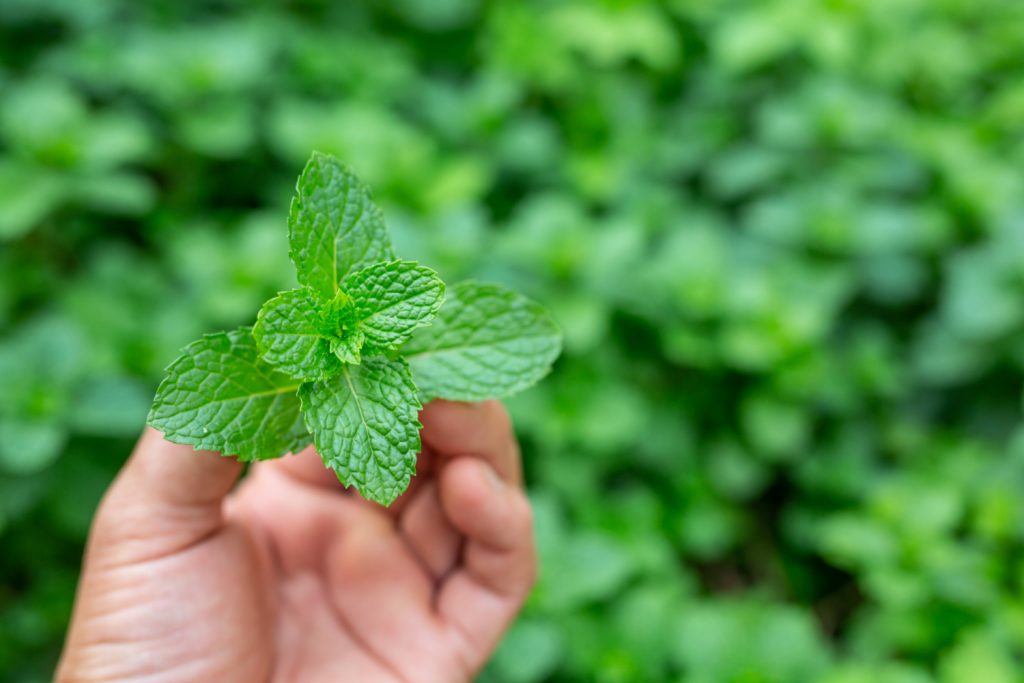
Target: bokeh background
x=784, y=238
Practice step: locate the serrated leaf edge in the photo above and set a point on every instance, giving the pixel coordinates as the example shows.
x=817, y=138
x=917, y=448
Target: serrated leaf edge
x=427, y=320
x=417, y=405
x=192, y=441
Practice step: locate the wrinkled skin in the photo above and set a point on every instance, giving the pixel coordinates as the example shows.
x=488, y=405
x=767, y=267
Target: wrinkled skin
x=288, y=577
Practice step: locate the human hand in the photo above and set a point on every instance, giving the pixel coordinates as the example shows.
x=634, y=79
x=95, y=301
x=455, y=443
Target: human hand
x=291, y=578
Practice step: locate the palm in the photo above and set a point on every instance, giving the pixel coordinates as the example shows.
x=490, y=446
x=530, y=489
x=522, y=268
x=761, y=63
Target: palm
x=300, y=581
x=356, y=590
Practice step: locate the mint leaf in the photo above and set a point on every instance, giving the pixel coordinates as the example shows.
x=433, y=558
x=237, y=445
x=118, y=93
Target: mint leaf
x=298, y=437
x=393, y=299
x=218, y=395
x=348, y=348
x=341, y=326
x=486, y=342
x=320, y=363
x=365, y=426
x=291, y=334
x=334, y=227
x=30, y=445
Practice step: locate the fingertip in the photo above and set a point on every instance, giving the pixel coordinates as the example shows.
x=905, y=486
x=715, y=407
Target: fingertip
x=482, y=429
x=154, y=450
x=484, y=507
x=469, y=485
x=306, y=467
x=442, y=409
x=448, y=420
x=161, y=470
x=153, y=439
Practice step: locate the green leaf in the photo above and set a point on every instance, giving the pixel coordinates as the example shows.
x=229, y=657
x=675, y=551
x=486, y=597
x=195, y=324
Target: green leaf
x=340, y=325
x=291, y=333
x=348, y=347
x=218, y=395
x=110, y=406
x=27, y=195
x=365, y=426
x=334, y=227
x=298, y=436
x=393, y=299
x=486, y=342
x=30, y=445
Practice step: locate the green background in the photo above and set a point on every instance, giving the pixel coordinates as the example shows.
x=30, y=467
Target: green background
x=784, y=238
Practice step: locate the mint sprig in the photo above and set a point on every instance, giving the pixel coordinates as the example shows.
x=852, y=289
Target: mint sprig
x=346, y=360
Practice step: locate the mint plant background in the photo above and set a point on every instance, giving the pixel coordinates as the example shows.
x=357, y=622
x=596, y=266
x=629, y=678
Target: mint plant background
x=782, y=238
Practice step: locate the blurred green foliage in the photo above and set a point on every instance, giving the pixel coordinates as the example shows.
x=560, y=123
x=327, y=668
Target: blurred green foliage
x=784, y=239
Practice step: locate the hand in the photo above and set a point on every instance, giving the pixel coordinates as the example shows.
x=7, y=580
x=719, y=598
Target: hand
x=292, y=578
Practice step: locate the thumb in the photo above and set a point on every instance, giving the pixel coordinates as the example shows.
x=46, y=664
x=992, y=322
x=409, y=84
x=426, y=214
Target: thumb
x=166, y=498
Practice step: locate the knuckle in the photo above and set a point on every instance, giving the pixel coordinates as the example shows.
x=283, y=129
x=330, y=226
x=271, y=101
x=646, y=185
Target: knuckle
x=522, y=514
x=476, y=499
x=462, y=481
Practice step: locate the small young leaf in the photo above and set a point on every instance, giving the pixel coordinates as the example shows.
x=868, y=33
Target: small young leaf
x=334, y=227
x=393, y=299
x=218, y=395
x=290, y=334
x=486, y=342
x=365, y=426
x=340, y=325
x=348, y=347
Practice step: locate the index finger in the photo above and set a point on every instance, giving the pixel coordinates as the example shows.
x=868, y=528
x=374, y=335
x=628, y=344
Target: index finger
x=480, y=430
